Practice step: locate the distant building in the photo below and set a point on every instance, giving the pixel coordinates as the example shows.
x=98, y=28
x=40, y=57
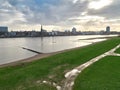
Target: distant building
x=108, y=29
x=74, y=30
x=55, y=33
x=12, y=33
x=41, y=30
x=3, y=29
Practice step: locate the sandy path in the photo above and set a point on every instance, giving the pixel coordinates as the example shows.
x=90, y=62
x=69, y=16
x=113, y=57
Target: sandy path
x=72, y=75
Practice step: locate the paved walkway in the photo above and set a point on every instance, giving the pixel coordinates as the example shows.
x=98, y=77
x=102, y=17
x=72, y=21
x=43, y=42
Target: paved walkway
x=72, y=75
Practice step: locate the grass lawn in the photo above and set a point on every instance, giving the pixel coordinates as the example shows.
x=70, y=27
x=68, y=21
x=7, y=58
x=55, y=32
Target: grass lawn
x=25, y=76
x=118, y=50
x=102, y=75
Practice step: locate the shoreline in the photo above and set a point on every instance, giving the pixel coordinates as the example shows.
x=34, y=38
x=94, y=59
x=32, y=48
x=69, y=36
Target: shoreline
x=42, y=55
x=38, y=56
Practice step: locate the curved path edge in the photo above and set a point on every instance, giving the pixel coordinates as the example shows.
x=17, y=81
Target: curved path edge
x=72, y=75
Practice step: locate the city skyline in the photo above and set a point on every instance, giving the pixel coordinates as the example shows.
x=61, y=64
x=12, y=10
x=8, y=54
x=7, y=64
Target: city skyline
x=85, y=15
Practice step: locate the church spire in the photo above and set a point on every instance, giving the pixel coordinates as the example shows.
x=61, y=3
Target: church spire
x=41, y=29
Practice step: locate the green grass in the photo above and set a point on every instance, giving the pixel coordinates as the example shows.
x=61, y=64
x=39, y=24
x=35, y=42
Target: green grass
x=102, y=75
x=118, y=50
x=53, y=68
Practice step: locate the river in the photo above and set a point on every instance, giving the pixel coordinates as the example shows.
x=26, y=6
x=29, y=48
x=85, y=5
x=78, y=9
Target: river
x=11, y=48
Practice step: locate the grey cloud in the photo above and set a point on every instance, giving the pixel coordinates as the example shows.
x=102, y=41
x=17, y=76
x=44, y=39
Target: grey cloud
x=55, y=14
x=9, y=15
x=48, y=13
x=110, y=12
x=29, y=12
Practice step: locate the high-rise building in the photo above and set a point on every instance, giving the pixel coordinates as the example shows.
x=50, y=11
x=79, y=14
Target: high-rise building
x=108, y=29
x=74, y=30
x=3, y=29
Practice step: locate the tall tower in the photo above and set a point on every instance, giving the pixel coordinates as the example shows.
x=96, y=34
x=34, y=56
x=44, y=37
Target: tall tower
x=41, y=28
x=41, y=31
x=74, y=30
x=108, y=29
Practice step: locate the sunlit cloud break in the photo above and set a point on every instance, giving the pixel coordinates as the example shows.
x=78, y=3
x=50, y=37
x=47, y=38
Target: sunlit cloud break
x=98, y=4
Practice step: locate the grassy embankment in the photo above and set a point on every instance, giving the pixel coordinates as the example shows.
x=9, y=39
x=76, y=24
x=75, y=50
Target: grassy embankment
x=102, y=75
x=117, y=51
x=53, y=68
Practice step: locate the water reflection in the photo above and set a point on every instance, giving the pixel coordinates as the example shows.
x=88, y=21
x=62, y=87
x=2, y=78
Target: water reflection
x=10, y=48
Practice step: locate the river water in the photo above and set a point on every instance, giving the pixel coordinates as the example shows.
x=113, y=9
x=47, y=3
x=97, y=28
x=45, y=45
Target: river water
x=11, y=48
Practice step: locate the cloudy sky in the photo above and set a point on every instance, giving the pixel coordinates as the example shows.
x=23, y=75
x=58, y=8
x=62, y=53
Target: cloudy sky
x=60, y=14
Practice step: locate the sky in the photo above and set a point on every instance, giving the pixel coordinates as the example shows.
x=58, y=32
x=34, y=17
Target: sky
x=85, y=15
